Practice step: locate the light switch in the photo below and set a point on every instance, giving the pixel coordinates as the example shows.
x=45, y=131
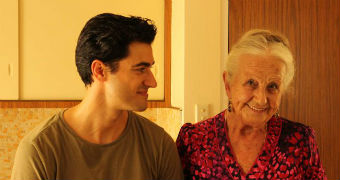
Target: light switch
x=201, y=112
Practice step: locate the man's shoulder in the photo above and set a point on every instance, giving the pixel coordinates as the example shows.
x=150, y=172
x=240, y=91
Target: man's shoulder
x=146, y=123
x=159, y=147
x=42, y=130
x=33, y=154
x=148, y=129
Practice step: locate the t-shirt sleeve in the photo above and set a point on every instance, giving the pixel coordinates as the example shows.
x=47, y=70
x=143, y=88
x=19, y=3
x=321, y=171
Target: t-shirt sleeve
x=170, y=166
x=28, y=163
x=314, y=167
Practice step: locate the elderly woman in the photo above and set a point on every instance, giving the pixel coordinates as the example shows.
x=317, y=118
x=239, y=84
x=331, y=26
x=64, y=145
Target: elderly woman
x=249, y=140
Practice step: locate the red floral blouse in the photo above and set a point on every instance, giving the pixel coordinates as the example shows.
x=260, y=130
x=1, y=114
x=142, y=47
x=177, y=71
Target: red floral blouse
x=289, y=152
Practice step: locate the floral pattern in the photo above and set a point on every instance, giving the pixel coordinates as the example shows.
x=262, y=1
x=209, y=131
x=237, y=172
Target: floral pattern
x=289, y=152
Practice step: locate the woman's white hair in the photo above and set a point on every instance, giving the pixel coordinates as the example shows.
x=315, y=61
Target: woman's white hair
x=262, y=42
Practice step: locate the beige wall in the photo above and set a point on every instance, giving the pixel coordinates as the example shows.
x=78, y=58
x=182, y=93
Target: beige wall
x=224, y=52
x=199, y=46
x=177, y=53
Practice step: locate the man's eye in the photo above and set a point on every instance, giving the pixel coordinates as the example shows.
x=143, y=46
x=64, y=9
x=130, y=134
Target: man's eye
x=141, y=70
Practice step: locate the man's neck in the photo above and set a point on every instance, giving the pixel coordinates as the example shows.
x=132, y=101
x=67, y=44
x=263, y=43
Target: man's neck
x=94, y=121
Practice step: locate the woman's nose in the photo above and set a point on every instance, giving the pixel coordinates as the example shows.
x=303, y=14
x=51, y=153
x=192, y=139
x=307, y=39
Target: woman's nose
x=260, y=96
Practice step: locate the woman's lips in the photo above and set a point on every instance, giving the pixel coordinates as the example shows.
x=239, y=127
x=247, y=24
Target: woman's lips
x=256, y=109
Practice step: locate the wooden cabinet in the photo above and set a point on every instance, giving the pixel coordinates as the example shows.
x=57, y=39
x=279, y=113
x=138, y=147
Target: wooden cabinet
x=9, y=50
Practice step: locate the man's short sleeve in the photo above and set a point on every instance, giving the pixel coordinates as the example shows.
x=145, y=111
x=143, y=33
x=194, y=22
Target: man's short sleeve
x=28, y=163
x=170, y=165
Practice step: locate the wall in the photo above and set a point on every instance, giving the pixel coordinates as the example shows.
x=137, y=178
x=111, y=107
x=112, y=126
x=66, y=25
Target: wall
x=197, y=55
x=177, y=53
x=224, y=46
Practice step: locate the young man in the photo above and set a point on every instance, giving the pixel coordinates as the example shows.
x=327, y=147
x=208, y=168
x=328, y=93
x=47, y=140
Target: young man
x=101, y=138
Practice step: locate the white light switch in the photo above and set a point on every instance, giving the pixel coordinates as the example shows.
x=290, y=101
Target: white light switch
x=201, y=112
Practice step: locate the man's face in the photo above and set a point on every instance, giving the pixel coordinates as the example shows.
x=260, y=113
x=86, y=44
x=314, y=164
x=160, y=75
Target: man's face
x=127, y=89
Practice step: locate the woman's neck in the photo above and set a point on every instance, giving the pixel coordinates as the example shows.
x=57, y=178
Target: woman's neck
x=237, y=127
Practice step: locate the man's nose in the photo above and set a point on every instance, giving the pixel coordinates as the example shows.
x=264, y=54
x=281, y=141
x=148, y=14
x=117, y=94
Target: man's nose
x=150, y=80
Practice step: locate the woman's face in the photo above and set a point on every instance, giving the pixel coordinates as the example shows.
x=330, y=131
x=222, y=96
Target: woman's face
x=256, y=88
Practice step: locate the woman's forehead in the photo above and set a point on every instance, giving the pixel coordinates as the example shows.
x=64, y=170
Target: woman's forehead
x=259, y=65
x=259, y=60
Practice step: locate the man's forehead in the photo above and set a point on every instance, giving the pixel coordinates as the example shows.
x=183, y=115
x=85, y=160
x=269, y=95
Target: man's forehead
x=140, y=54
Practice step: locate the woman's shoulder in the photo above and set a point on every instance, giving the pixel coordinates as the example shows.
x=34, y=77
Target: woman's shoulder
x=193, y=135
x=203, y=127
x=295, y=131
x=293, y=126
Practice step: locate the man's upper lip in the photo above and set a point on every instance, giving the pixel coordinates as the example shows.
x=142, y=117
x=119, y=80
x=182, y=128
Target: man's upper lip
x=142, y=92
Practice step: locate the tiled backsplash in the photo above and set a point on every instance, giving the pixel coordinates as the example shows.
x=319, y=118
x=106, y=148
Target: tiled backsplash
x=16, y=122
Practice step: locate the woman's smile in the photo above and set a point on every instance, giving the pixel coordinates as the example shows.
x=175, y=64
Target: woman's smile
x=257, y=109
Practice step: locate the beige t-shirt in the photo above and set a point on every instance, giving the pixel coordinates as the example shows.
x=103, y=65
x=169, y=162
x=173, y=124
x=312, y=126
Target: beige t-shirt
x=54, y=151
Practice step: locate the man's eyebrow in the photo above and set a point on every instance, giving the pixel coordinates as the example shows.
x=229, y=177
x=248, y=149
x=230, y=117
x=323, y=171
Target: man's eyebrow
x=146, y=64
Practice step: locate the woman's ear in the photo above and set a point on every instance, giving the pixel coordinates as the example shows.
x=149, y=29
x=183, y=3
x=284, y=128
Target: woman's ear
x=97, y=68
x=226, y=84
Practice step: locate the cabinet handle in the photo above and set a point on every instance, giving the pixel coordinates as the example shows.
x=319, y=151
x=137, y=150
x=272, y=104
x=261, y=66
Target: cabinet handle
x=10, y=71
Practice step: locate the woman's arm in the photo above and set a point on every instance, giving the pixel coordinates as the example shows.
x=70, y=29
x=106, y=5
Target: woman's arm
x=314, y=167
x=182, y=143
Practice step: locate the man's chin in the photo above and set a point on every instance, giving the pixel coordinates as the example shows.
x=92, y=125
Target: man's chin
x=140, y=107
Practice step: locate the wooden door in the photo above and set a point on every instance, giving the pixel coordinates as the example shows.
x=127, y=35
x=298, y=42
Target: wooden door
x=313, y=29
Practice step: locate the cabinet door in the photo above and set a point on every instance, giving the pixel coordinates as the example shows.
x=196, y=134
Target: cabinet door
x=48, y=34
x=9, y=49
x=313, y=29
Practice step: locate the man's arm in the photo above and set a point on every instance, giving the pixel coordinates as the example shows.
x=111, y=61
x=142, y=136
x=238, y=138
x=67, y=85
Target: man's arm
x=170, y=165
x=28, y=163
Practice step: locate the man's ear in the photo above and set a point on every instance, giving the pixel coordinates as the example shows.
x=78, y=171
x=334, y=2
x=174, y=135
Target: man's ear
x=226, y=84
x=97, y=68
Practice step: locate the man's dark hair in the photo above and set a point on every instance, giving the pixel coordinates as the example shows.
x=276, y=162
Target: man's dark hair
x=107, y=37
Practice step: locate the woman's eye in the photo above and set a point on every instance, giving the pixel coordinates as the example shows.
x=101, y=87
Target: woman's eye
x=273, y=86
x=251, y=82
